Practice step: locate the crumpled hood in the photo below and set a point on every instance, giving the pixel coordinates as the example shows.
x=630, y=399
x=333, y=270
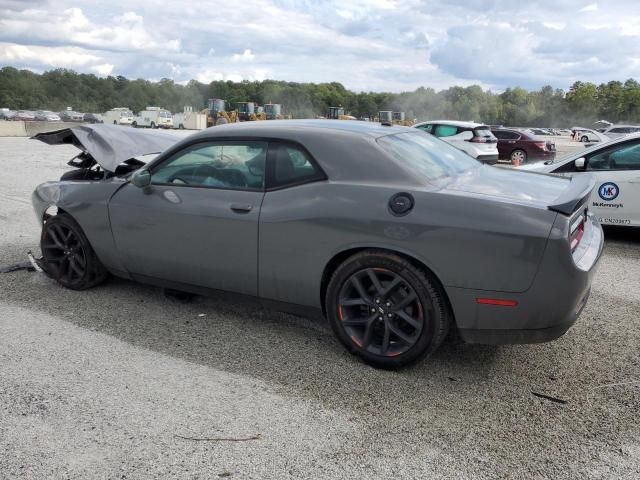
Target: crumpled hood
x=110, y=145
x=512, y=185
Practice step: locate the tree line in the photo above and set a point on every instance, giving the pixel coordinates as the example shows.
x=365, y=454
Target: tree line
x=582, y=104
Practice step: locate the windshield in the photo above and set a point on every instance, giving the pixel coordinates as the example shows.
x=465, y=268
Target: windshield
x=426, y=155
x=126, y=114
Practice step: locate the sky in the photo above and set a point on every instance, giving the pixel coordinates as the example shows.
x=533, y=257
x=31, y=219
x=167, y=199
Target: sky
x=374, y=45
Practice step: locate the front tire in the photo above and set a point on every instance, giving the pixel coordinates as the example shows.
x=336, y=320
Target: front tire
x=584, y=139
x=385, y=310
x=68, y=256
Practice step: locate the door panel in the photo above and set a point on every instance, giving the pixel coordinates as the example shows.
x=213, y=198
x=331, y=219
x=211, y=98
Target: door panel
x=200, y=236
x=616, y=198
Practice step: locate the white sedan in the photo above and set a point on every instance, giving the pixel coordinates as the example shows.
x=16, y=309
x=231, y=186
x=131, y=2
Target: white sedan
x=616, y=167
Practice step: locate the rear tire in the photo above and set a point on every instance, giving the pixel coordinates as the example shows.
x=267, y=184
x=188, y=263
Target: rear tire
x=385, y=310
x=518, y=157
x=68, y=256
x=584, y=139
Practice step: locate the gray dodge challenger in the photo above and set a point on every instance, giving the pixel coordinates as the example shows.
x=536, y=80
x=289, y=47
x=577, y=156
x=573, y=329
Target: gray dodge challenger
x=393, y=235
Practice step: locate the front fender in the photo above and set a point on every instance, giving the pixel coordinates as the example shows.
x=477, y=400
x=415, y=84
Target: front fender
x=87, y=202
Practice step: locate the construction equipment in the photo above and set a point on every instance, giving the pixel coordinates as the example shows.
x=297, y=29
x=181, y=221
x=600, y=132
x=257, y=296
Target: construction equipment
x=337, y=113
x=398, y=119
x=393, y=118
x=273, y=111
x=217, y=113
x=385, y=116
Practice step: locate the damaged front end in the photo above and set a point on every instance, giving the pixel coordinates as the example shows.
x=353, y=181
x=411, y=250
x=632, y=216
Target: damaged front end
x=106, y=150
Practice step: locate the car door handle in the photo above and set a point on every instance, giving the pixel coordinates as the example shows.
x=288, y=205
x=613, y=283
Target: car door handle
x=635, y=180
x=241, y=207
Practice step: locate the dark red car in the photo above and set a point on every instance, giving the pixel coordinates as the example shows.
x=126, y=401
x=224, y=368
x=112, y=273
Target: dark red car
x=520, y=146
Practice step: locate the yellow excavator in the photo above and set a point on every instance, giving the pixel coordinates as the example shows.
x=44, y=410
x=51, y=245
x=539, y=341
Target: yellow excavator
x=244, y=112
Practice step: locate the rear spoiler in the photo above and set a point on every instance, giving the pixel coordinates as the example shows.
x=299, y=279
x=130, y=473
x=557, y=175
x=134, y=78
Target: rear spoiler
x=575, y=195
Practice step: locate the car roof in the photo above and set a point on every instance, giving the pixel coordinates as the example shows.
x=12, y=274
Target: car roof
x=454, y=123
x=373, y=129
x=622, y=125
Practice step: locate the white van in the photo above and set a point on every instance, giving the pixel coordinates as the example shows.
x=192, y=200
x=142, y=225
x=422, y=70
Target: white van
x=154, y=117
x=190, y=120
x=118, y=116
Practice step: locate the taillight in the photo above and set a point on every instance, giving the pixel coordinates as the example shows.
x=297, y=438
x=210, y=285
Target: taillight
x=576, y=231
x=541, y=145
x=483, y=140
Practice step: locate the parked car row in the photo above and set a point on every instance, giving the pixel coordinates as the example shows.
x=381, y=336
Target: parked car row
x=48, y=116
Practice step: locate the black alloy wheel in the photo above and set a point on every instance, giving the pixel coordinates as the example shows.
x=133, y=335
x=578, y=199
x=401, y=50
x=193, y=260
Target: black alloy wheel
x=68, y=256
x=386, y=310
x=380, y=312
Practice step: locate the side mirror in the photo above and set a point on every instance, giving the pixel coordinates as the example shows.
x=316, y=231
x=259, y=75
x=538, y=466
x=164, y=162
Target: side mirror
x=141, y=178
x=579, y=163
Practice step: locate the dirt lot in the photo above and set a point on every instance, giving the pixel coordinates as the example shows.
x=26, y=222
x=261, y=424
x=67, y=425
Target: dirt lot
x=104, y=383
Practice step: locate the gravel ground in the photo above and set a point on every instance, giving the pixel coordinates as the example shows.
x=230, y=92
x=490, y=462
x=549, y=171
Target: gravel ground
x=104, y=383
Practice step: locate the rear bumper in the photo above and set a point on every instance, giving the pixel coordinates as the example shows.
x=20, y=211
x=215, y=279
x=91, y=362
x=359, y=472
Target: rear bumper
x=526, y=335
x=490, y=159
x=548, y=308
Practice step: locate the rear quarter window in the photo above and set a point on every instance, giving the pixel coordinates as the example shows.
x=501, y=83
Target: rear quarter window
x=445, y=131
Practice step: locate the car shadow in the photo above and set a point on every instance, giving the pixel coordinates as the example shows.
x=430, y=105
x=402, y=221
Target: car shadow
x=625, y=235
x=297, y=355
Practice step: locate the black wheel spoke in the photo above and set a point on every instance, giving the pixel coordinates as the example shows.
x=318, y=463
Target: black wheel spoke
x=64, y=267
x=375, y=281
x=53, y=234
x=414, y=322
x=386, y=337
x=368, y=333
x=75, y=267
x=356, y=322
x=79, y=258
x=350, y=302
x=391, y=286
x=400, y=334
x=405, y=302
x=355, y=281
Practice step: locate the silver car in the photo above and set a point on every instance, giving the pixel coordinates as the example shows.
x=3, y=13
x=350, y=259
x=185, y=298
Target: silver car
x=393, y=235
x=617, y=131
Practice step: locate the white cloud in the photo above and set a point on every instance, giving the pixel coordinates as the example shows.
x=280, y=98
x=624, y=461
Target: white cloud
x=245, y=56
x=366, y=45
x=103, y=69
x=592, y=7
x=50, y=56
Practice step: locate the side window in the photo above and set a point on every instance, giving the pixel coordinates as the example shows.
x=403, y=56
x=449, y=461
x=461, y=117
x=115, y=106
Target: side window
x=445, y=131
x=620, y=157
x=426, y=128
x=506, y=135
x=500, y=135
x=292, y=165
x=229, y=165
